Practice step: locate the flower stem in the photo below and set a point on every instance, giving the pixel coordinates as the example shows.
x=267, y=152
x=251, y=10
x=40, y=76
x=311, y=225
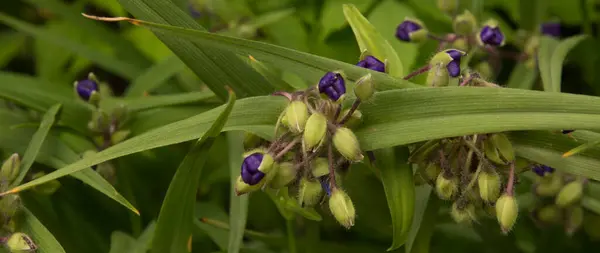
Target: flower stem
x=418, y=72
x=287, y=148
x=332, y=184
x=289, y=224
x=350, y=112
x=511, y=180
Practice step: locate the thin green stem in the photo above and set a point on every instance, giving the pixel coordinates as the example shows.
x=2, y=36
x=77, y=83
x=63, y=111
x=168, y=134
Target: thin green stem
x=291, y=236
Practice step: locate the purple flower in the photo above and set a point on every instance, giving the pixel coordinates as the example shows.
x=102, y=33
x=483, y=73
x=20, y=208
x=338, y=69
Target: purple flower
x=372, y=63
x=332, y=84
x=85, y=88
x=542, y=170
x=551, y=29
x=453, y=66
x=406, y=28
x=250, y=173
x=491, y=35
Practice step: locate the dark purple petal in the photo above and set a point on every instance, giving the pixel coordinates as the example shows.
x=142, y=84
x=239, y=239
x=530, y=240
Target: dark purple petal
x=454, y=68
x=256, y=178
x=324, y=180
x=246, y=176
x=250, y=173
x=454, y=54
x=551, y=29
x=372, y=63
x=567, y=131
x=193, y=11
x=491, y=36
x=85, y=88
x=542, y=170
x=404, y=30
x=333, y=85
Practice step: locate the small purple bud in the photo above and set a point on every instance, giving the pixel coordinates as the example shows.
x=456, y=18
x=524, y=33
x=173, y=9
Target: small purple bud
x=551, y=29
x=333, y=85
x=85, y=88
x=324, y=180
x=405, y=28
x=491, y=35
x=567, y=131
x=453, y=66
x=542, y=170
x=250, y=173
x=372, y=63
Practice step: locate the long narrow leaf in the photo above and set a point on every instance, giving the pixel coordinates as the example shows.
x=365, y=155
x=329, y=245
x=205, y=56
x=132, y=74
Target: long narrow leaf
x=238, y=204
x=154, y=76
x=175, y=221
x=43, y=239
x=145, y=103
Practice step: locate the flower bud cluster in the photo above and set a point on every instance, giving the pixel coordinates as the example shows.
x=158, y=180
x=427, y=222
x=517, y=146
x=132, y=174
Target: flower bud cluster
x=476, y=173
x=558, y=198
x=313, y=146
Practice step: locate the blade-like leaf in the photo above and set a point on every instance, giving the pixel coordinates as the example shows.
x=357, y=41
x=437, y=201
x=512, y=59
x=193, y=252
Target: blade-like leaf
x=154, y=76
x=175, y=220
x=420, y=220
x=544, y=59
x=550, y=59
x=419, y=114
x=397, y=178
x=36, y=143
x=370, y=40
x=217, y=68
x=43, y=239
x=582, y=148
x=145, y=103
x=591, y=204
x=522, y=77
x=421, y=242
x=238, y=211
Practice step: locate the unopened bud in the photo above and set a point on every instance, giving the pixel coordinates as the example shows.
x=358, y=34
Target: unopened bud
x=285, y=174
x=574, y=220
x=446, y=188
x=460, y=44
x=465, y=23
x=463, y=213
x=346, y=143
x=119, y=136
x=342, y=208
x=491, y=152
x=10, y=168
x=549, y=214
x=310, y=192
x=354, y=120
x=296, y=116
x=316, y=128
x=437, y=76
x=569, y=194
x=20, y=243
x=532, y=45
x=507, y=211
x=504, y=146
x=489, y=186
x=432, y=171
x=257, y=163
x=484, y=69
x=320, y=167
x=411, y=30
x=47, y=188
x=10, y=204
x=364, y=88
x=549, y=186
x=242, y=188
x=447, y=6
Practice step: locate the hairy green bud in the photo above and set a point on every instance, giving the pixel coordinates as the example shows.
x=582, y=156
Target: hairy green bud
x=310, y=192
x=437, y=76
x=460, y=44
x=448, y=6
x=20, y=243
x=316, y=128
x=320, y=167
x=296, y=115
x=346, y=143
x=489, y=186
x=505, y=149
x=242, y=188
x=364, y=88
x=549, y=214
x=446, y=188
x=463, y=213
x=569, y=194
x=507, y=211
x=10, y=168
x=10, y=204
x=549, y=186
x=284, y=175
x=465, y=23
x=342, y=208
x=574, y=219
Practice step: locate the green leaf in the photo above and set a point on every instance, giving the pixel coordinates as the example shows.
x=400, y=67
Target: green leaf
x=332, y=18
x=419, y=114
x=42, y=238
x=370, y=40
x=591, y=204
x=123, y=243
x=217, y=68
x=528, y=20
x=421, y=242
x=36, y=143
x=11, y=43
x=522, y=77
x=238, y=210
x=422, y=196
x=582, y=148
x=108, y=62
x=174, y=225
x=150, y=102
x=397, y=178
x=155, y=76
x=550, y=59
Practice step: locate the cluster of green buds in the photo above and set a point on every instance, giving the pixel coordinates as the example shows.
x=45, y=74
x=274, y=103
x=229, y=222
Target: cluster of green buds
x=558, y=199
x=19, y=243
x=476, y=173
x=107, y=119
x=313, y=145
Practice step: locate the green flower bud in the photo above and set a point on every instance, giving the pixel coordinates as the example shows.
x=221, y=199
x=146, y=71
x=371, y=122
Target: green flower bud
x=47, y=188
x=346, y=143
x=569, y=194
x=364, y=88
x=574, y=219
x=549, y=186
x=10, y=204
x=463, y=214
x=446, y=188
x=489, y=186
x=505, y=149
x=120, y=112
x=285, y=174
x=296, y=115
x=549, y=214
x=491, y=152
x=310, y=192
x=316, y=128
x=507, y=211
x=432, y=171
x=242, y=188
x=460, y=44
x=437, y=76
x=10, y=168
x=354, y=120
x=465, y=23
x=342, y=208
x=484, y=69
x=320, y=167
x=530, y=63
x=20, y=243
x=119, y=136
x=532, y=45
x=448, y=6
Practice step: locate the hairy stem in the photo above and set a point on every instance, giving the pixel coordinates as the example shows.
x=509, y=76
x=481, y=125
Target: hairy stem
x=418, y=72
x=350, y=112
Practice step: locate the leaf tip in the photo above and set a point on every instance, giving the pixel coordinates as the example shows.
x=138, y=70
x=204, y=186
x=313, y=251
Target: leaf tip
x=567, y=154
x=251, y=58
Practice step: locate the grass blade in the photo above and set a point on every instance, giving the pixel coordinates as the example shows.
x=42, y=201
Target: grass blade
x=558, y=57
x=146, y=103
x=40, y=235
x=238, y=204
x=370, y=40
x=175, y=220
x=544, y=59
x=591, y=204
x=421, y=241
x=36, y=143
x=155, y=76
x=582, y=148
x=522, y=77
